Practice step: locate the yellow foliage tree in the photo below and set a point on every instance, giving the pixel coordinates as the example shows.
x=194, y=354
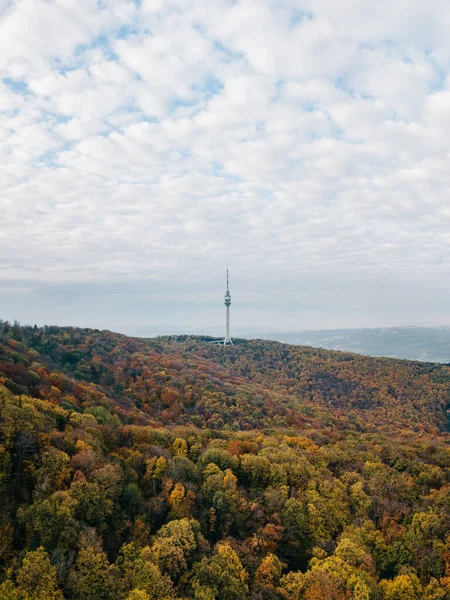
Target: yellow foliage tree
x=403, y=587
x=36, y=578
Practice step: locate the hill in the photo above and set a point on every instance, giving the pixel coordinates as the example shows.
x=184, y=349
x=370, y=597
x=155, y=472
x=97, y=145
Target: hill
x=253, y=384
x=174, y=468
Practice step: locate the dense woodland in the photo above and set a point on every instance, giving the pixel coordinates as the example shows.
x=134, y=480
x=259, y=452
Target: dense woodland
x=172, y=469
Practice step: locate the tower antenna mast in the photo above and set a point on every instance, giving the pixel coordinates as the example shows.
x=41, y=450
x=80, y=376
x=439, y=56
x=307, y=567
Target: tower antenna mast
x=227, y=302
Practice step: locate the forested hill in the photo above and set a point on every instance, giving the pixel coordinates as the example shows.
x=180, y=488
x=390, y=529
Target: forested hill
x=253, y=384
x=175, y=469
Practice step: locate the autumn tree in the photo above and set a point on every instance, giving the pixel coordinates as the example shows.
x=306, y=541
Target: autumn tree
x=36, y=579
x=220, y=577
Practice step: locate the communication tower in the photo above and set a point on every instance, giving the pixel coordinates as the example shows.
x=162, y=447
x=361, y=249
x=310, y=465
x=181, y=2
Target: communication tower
x=227, y=302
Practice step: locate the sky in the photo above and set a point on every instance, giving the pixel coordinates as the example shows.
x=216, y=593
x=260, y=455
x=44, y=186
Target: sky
x=146, y=145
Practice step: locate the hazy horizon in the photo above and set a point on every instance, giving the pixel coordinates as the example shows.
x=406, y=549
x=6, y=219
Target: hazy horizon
x=122, y=306
x=153, y=329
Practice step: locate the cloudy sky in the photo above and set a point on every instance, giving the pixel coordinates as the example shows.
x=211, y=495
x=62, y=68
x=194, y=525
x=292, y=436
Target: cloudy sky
x=146, y=144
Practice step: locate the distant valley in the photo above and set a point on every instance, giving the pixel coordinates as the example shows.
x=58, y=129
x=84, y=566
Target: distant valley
x=430, y=344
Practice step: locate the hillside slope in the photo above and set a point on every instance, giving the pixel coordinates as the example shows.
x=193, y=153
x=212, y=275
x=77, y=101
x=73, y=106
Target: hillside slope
x=253, y=384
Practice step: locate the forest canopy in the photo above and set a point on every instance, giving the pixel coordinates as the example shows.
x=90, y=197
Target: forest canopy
x=172, y=468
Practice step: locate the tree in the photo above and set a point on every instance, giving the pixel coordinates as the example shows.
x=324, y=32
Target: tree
x=92, y=506
x=93, y=578
x=53, y=472
x=36, y=578
x=403, y=587
x=53, y=519
x=221, y=495
x=131, y=498
x=176, y=544
x=139, y=571
x=269, y=571
x=220, y=577
x=182, y=504
x=179, y=447
x=138, y=594
x=155, y=469
x=295, y=520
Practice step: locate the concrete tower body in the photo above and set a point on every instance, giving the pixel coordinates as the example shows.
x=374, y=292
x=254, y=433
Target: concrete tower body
x=227, y=302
